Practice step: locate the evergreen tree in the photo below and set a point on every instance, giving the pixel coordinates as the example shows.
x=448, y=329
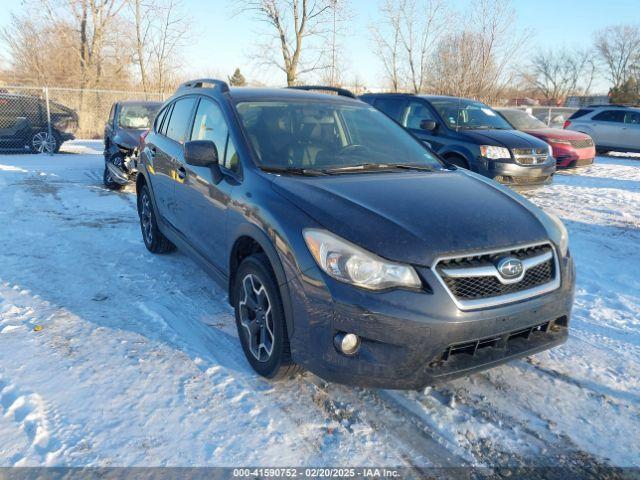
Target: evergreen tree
x=237, y=79
x=627, y=93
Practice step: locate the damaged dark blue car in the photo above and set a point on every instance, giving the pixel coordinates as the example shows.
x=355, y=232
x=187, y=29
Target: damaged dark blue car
x=347, y=247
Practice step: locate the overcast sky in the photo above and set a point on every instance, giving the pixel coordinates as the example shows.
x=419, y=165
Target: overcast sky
x=222, y=41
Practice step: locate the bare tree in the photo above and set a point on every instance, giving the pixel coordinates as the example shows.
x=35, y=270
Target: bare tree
x=386, y=37
x=405, y=43
x=68, y=42
x=477, y=61
x=335, y=71
x=160, y=30
x=556, y=74
x=297, y=26
x=619, y=48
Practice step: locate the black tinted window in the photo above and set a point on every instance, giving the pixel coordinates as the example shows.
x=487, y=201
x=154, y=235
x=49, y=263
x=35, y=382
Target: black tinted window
x=580, y=113
x=391, y=106
x=180, y=118
x=610, y=116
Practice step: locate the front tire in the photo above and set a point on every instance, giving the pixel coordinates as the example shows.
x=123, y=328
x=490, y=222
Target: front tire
x=153, y=238
x=260, y=319
x=458, y=161
x=108, y=180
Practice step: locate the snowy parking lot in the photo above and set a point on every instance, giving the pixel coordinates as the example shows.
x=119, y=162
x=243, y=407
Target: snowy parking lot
x=111, y=356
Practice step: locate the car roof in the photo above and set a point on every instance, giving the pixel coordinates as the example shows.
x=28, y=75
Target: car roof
x=239, y=94
x=423, y=96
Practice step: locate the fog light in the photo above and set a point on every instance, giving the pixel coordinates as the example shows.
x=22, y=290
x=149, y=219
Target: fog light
x=347, y=343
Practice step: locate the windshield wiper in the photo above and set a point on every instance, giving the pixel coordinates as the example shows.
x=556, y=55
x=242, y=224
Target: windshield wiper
x=292, y=170
x=370, y=167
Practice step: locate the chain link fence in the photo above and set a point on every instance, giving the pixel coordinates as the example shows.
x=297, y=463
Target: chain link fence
x=40, y=119
x=553, y=117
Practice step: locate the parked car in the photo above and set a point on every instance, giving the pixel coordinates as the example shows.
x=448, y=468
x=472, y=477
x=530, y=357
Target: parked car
x=612, y=127
x=24, y=125
x=570, y=149
x=344, y=244
x=471, y=135
x=128, y=120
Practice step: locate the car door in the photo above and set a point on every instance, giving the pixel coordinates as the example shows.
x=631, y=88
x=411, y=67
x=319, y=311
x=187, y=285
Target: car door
x=607, y=128
x=201, y=203
x=13, y=123
x=415, y=112
x=631, y=130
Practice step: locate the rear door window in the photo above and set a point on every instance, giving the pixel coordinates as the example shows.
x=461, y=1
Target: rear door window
x=393, y=107
x=180, y=119
x=610, y=116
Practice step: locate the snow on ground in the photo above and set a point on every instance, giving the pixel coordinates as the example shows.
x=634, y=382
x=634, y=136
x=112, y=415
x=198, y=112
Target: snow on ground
x=110, y=356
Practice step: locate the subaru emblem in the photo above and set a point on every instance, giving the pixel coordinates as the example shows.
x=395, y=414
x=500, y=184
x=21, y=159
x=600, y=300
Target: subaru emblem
x=510, y=268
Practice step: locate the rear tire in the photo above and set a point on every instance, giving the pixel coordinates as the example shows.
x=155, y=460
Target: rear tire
x=153, y=238
x=42, y=142
x=260, y=319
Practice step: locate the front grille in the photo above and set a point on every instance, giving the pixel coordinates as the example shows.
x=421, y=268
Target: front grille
x=584, y=143
x=474, y=281
x=486, y=287
x=530, y=156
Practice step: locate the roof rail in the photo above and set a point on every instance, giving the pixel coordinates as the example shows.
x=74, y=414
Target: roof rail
x=340, y=91
x=203, y=82
x=608, y=105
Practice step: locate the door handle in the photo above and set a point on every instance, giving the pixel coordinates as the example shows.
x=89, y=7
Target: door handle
x=182, y=173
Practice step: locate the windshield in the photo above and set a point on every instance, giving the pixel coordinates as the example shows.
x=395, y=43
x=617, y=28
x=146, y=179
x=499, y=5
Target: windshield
x=469, y=115
x=522, y=120
x=137, y=116
x=328, y=135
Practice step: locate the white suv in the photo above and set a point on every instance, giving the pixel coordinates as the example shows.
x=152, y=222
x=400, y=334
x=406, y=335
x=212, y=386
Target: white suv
x=612, y=127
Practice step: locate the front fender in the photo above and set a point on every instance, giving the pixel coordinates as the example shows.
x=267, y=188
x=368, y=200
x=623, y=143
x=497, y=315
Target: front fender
x=461, y=150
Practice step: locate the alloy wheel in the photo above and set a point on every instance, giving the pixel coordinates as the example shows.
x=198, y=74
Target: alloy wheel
x=256, y=318
x=43, y=142
x=146, y=219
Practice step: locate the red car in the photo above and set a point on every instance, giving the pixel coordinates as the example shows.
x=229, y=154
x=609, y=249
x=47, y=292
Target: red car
x=570, y=149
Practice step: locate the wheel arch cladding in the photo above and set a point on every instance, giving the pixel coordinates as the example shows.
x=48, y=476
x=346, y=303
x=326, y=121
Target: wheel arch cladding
x=250, y=240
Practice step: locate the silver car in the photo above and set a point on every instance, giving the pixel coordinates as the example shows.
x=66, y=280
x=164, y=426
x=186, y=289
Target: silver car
x=612, y=127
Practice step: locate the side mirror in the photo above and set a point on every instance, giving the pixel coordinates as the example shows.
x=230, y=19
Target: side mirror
x=429, y=125
x=203, y=153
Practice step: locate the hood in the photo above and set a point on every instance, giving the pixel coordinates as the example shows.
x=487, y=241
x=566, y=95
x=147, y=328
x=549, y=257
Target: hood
x=128, y=137
x=547, y=133
x=504, y=138
x=414, y=217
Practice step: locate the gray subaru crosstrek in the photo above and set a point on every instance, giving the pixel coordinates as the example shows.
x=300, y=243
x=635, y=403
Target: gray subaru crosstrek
x=345, y=245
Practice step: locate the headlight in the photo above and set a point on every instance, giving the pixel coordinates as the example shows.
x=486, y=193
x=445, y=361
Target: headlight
x=494, y=153
x=560, y=236
x=349, y=263
x=561, y=142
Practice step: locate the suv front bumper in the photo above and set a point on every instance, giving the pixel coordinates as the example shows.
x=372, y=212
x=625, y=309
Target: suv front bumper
x=412, y=339
x=511, y=173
